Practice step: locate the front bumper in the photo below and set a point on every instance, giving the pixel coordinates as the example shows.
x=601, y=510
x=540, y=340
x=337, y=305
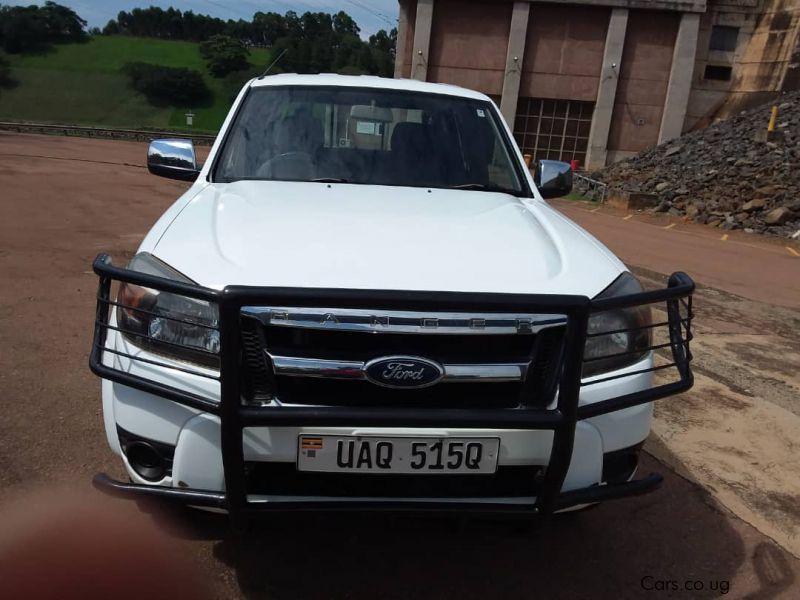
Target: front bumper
x=562, y=418
x=206, y=499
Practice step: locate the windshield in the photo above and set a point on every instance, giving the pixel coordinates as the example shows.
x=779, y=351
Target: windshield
x=367, y=136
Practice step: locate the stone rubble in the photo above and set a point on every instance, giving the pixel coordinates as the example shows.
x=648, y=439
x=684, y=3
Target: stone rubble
x=729, y=175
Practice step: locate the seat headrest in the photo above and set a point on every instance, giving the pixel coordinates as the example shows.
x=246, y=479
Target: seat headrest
x=410, y=138
x=298, y=132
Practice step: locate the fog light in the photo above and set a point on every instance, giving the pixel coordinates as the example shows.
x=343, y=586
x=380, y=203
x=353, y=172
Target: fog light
x=619, y=466
x=150, y=459
x=146, y=460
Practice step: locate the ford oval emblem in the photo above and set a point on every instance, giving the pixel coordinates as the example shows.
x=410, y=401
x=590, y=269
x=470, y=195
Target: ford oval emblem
x=403, y=372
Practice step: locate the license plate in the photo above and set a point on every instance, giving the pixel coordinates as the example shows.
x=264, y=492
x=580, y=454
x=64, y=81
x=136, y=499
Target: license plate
x=397, y=455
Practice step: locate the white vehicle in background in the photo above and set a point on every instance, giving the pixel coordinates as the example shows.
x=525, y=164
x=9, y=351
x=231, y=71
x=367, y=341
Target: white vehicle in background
x=364, y=300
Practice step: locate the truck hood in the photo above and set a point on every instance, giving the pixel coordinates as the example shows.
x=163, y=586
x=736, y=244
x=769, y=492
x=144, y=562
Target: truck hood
x=379, y=237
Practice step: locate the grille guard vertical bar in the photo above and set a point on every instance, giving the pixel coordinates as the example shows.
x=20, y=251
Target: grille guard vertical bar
x=102, y=314
x=568, y=393
x=235, y=415
x=231, y=423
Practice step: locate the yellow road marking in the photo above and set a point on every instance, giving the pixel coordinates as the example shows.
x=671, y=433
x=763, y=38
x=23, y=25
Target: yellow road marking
x=689, y=232
x=793, y=251
x=670, y=226
x=724, y=237
x=628, y=217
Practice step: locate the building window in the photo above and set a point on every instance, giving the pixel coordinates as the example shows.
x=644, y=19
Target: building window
x=723, y=38
x=718, y=72
x=553, y=129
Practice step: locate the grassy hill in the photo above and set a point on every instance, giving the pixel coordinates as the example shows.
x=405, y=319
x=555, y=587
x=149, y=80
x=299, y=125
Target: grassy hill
x=83, y=84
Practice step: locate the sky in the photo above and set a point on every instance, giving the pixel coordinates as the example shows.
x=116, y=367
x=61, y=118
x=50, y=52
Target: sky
x=371, y=15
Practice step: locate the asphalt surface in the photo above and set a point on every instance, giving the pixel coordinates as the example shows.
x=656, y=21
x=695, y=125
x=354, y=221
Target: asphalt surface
x=64, y=200
x=748, y=265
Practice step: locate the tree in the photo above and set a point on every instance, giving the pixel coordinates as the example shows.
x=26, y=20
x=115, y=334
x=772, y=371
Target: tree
x=294, y=28
x=268, y=28
x=169, y=24
x=5, y=73
x=343, y=24
x=111, y=28
x=240, y=30
x=168, y=85
x=351, y=70
x=233, y=82
x=383, y=46
x=347, y=52
x=62, y=24
x=224, y=55
x=315, y=42
x=365, y=61
x=20, y=29
x=32, y=28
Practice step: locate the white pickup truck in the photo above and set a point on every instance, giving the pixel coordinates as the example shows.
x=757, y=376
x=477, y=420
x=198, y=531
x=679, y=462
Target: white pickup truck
x=363, y=301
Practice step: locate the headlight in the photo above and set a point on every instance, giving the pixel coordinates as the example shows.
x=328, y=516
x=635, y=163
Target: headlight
x=628, y=331
x=169, y=324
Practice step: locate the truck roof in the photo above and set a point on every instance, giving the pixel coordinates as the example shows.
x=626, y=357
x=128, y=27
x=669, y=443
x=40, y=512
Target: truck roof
x=367, y=81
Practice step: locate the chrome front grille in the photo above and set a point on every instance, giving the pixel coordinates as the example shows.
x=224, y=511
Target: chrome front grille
x=339, y=369
x=318, y=356
x=377, y=321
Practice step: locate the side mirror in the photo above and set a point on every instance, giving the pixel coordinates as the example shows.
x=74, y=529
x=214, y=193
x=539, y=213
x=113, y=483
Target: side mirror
x=553, y=178
x=174, y=159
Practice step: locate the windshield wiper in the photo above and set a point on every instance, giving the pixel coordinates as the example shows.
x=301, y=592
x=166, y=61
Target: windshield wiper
x=469, y=186
x=329, y=180
x=485, y=188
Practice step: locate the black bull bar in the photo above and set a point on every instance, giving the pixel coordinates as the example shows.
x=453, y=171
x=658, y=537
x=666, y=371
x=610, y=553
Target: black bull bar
x=561, y=419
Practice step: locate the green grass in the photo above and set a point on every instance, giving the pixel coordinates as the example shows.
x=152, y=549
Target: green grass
x=573, y=195
x=82, y=84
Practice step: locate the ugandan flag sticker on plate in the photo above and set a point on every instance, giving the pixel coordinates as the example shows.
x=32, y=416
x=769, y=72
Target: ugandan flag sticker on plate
x=310, y=445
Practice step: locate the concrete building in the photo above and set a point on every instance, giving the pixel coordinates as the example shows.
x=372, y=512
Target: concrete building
x=600, y=80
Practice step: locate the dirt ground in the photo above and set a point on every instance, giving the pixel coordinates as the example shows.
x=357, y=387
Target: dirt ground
x=738, y=430
x=726, y=517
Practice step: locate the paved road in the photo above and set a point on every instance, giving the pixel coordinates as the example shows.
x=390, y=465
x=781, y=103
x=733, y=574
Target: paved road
x=63, y=200
x=767, y=270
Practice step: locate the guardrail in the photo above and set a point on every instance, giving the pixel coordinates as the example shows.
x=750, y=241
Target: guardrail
x=139, y=135
x=594, y=189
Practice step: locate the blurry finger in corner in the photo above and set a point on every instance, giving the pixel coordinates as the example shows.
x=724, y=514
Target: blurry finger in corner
x=65, y=545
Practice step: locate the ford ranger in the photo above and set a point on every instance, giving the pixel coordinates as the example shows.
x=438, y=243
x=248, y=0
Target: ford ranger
x=364, y=301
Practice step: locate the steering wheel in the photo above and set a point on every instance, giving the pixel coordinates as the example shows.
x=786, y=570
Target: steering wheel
x=288, y=165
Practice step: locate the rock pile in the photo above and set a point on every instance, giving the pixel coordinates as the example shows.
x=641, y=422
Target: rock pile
x=728, y=175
